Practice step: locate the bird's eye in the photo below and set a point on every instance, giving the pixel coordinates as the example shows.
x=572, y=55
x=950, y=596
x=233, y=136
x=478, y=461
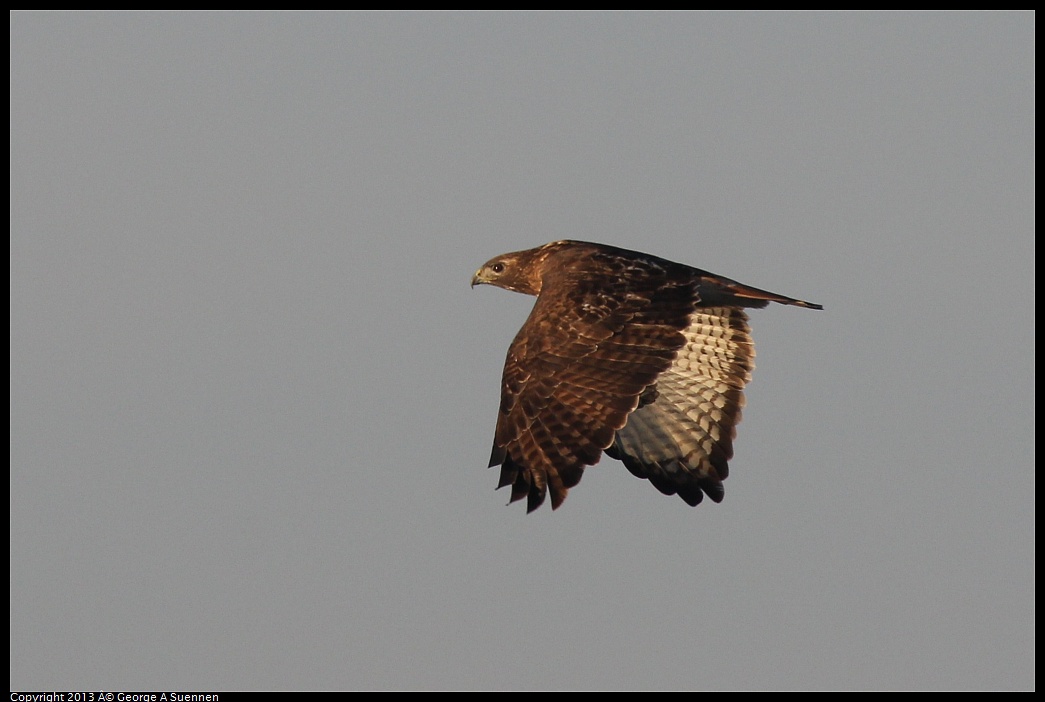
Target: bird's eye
x=497, y=268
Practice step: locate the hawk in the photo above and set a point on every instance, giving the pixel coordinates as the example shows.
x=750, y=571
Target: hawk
x=624, y=353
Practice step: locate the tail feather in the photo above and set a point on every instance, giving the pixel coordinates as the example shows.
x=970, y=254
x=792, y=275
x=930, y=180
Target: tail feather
x=734, y=289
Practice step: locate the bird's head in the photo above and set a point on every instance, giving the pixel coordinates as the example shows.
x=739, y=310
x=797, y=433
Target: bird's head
x=519, y=272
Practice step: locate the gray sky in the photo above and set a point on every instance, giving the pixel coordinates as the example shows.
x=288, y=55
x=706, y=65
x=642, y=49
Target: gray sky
x=252, y=393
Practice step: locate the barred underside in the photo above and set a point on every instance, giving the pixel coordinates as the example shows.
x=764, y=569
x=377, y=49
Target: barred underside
x=682, y=440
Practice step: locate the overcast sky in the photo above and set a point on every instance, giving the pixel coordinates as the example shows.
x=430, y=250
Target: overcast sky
x=253, y=396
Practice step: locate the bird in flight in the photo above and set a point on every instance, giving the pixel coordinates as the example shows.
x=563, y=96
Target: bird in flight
x=625, y=353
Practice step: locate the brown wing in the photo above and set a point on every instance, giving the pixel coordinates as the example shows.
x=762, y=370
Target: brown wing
x=578, y=366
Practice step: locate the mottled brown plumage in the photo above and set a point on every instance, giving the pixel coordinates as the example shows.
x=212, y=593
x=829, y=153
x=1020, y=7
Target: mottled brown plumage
x=625, y=353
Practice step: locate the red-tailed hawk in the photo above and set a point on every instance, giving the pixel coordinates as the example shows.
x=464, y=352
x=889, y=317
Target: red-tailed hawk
x=627, y=353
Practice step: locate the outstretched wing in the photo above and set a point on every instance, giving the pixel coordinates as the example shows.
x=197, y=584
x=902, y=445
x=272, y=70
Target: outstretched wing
x=578, y=367
x=681, y=438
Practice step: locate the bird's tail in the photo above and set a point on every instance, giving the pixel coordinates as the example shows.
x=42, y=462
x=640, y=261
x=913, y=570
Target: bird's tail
x=759, y=298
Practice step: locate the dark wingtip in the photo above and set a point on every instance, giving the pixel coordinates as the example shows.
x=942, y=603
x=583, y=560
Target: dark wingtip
x=535, y=497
